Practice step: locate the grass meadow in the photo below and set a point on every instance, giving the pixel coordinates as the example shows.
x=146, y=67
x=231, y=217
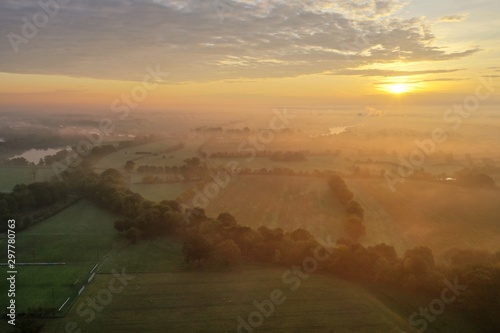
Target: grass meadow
x=55, y=257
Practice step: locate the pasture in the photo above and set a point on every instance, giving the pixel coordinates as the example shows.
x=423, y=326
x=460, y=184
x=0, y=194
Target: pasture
x=46, y=286
x=212, y=301
x=76, y=239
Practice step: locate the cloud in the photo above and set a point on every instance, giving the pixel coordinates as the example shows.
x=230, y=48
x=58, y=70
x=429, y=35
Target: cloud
x=218, y=39
x=445, y=79
x=386, y=73
x=453, y=18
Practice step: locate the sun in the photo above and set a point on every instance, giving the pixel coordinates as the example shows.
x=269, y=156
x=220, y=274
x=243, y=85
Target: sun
x=398, y=88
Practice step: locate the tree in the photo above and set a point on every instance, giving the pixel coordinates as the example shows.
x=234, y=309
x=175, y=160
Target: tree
x=227, y=252
x=111, y=175
x=227, y=219
x=386, y=251
x=423, y=252
x=196, y=215
x=419, y=260
x=301, y=235
x=122, y=225
x=354, y=208
x=172, y=220
x=133, y=235
x=129, y=166
x=339, y=189
x=481, y=298
x=354, y=228
x=196, y=249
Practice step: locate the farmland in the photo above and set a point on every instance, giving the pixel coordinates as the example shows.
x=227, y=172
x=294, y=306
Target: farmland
x=212, y=302
x=441, y=216
x=171, y=296
x=280, y=202
x=76, y=239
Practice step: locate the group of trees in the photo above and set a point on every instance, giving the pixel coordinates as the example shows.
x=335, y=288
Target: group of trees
x=220, y=130
x=152, y=179
x=26, y=198
x=17, y=161
x=223, y=240
x=469, y=178
x=35, y=202
x=141, y=218
x=353, y=226
x=279, y=156
x=158, y=169
x=17, y=139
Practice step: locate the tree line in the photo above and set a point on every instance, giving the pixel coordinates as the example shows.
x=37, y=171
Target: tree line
x=31, y=198
x=353, y=225
x=278, y=156
x=222, y=241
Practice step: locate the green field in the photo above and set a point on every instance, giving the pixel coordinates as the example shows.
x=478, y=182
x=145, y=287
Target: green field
x=80, y=233
x=11, y=176
x=161, y=297
x=46, y=286
x=212, y=301
x=280, y=202
x=75, y=239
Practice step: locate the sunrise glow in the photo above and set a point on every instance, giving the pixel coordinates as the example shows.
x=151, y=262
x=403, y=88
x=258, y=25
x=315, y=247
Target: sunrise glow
x=398, y=88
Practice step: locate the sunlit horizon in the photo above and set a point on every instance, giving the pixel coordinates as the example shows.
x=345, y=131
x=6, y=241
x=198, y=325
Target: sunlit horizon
x=223, y=65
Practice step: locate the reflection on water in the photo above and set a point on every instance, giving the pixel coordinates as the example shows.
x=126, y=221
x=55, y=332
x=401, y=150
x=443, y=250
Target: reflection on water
x=34, y=155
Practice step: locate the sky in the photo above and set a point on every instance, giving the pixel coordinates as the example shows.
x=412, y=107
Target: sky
x=244, y=54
